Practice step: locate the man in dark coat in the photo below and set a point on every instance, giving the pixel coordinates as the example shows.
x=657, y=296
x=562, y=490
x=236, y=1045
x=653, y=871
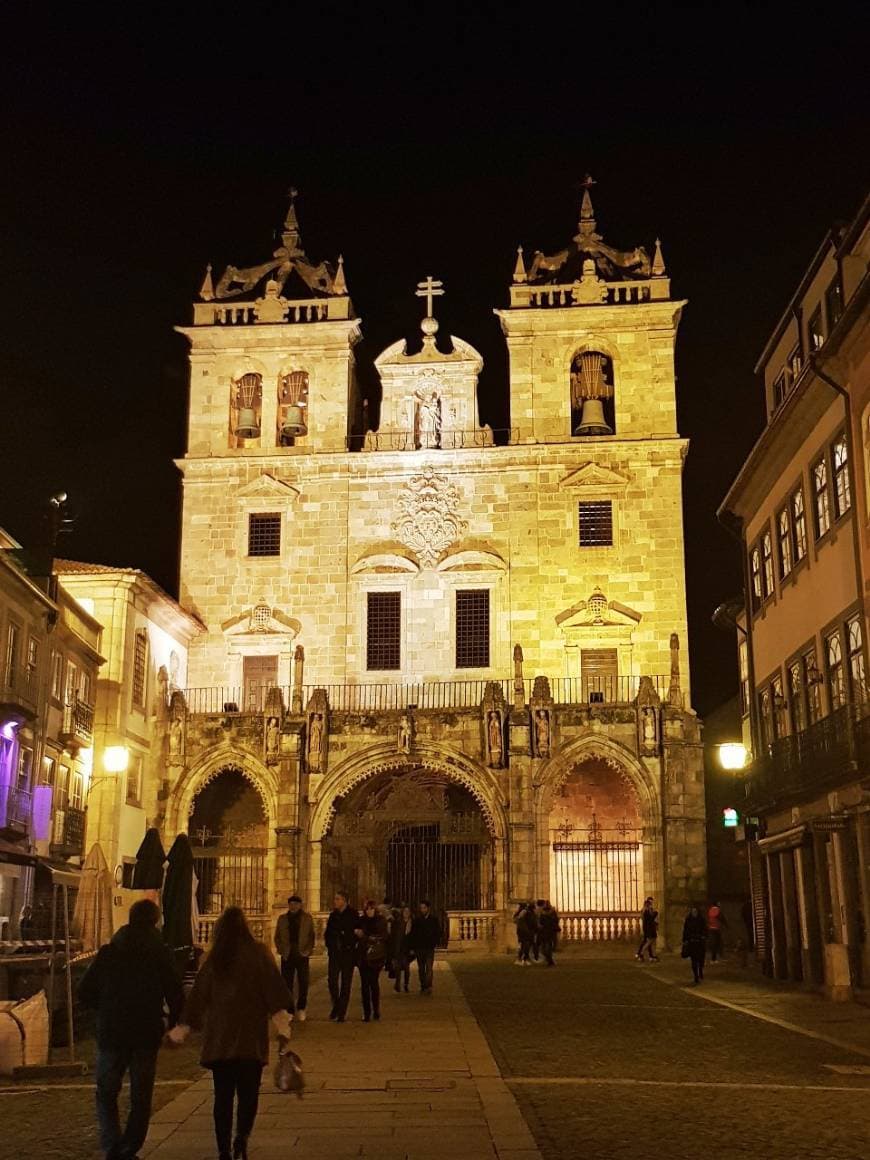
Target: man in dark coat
x=294, y=941
x=341, y=946
x=548, y=931
x=128, y=984
x=425, y=938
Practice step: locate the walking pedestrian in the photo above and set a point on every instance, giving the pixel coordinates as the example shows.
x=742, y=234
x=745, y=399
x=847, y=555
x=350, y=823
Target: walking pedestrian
x=127, y=984
x=715, y=922
x=341, y=946
x=548, y=927
x=294, y=941
x=400, y=948
x=425, y=938
x=527, y=929
x=372, y=935
x=237, y=990
x=649, y=922
x=695, y=941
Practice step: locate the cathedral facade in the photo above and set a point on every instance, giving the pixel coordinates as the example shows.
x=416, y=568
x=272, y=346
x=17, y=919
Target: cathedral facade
x=438, y=661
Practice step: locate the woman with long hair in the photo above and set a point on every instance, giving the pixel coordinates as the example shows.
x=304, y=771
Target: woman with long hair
x=400, y=947
x=237, y=990
x=372, y=934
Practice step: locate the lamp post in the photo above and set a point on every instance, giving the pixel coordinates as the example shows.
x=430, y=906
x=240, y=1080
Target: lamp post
x=733, y=756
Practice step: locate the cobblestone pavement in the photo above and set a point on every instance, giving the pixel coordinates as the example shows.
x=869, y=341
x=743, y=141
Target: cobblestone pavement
x=608, y=1058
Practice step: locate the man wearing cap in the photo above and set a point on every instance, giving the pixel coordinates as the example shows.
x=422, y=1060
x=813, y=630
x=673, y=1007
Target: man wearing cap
x=294, y=941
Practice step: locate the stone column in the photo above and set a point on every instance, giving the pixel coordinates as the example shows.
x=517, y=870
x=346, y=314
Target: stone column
x=777, y=924
x=862, y=837
x=791, y=921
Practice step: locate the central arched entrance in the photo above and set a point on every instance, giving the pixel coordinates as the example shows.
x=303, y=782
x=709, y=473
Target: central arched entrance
x=228, y=829
x=408, y=834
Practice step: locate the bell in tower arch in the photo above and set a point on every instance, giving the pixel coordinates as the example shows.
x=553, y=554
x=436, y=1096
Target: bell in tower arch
x=248, y=402
x=591, y=394
x=292, y=402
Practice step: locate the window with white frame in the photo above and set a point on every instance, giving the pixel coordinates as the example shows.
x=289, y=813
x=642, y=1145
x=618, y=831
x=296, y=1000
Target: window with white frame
x=796, y=696
x=798, y=525
x=822, y=500
x=767, y=562
x=755, y=569
x=777, y=700
x=57, y=676
x=813, y=684
x=842, y=488
x=836, y=671
x=784, y=537
x=857, y=665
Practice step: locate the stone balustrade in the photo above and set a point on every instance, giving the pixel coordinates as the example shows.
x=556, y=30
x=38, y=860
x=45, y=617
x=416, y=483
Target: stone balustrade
x=299, y=310
x=551, y=295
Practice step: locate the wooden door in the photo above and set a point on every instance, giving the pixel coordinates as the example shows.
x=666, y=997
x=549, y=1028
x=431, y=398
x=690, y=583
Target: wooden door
x=259, y=675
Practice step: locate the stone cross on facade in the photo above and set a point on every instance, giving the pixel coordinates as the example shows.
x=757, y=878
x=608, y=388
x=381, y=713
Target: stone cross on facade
x=429, y=289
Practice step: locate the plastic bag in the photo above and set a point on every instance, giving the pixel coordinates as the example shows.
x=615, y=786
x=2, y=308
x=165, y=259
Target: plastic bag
x=288, y=1073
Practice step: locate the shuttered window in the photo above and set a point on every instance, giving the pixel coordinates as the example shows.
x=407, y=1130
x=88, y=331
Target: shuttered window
x=384, y=630
x=472, y=628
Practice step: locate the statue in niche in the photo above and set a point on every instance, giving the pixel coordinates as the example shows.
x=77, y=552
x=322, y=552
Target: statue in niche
x=273, y=737
x=427, y=419
x=405, y=734
x=648, y=730
x=494, y=739
x=542, y=732
x=315, y=742
x=176, y=732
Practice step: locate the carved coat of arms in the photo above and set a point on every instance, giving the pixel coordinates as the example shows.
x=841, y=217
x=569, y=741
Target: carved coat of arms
x=428, y=523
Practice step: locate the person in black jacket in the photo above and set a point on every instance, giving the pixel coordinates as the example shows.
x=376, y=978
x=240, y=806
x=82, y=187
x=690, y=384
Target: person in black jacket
x=341, y=946
x=128, y=984
x=695, y=941
x=548, y=931
x=373, y=934
x=425, y=937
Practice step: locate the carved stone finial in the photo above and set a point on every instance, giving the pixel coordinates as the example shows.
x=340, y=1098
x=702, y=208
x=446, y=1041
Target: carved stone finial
x=298, y=669
x=675, y=695
x=206, y=291
x=339, y=283
x=587, y=213
x=520, y=267
x=658, y=263
x=291, y=222
x=519, y=685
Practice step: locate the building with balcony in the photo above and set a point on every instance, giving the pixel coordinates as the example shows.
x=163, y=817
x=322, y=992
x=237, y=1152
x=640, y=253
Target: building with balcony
x=48, y=673
x=438, y=660
x=145, y=640
x=799, y=505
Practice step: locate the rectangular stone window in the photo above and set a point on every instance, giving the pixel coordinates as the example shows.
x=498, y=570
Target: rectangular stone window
x=767, y=562
x=140, y=667
x=783, y=524
x=821, y=497
x=842, y=490
x=599, y=673
x=595, y=521
x=798, y=525
x=472, y=628
x=264, y=534
x=384, y=631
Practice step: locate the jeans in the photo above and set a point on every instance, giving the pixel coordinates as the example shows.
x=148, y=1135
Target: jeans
x=402, y=969
x=293, y=967
x=112, y=1063
x=524, y=950
x=369, y=975
x=548, y=946
x=340, y=980
x=697, y=954
x=425, y=962
x=235, y=1078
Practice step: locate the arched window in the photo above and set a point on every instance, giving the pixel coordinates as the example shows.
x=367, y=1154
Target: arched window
x=292, y=407
x=246, y=405
x=592, y=409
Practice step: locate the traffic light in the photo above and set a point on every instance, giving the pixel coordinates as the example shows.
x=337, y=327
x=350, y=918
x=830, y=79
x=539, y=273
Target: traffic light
x=730, y=818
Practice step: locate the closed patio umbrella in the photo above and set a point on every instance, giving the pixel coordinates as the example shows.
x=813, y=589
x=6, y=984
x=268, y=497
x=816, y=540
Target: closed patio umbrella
x=150, y=857
x=92, y=919
x=178, y=894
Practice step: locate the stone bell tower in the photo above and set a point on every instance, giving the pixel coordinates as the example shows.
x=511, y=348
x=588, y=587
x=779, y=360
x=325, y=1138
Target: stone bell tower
x=591, y=333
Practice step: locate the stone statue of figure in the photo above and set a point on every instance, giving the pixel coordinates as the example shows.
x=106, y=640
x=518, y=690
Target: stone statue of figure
x=404, y=738
x=493, y=731
x=428, y=419
x=272, y=736
x=315, y=741
x=649, y=728
x=176, y=729
x=542, y=732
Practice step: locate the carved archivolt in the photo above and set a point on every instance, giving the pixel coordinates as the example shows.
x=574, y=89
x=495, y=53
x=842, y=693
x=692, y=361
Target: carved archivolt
x=211, y=766
x=428, y=522
x=559, y=768
x=449, y=766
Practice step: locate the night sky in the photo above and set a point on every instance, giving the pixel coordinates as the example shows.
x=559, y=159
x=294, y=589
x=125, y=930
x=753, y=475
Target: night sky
x=422, y=140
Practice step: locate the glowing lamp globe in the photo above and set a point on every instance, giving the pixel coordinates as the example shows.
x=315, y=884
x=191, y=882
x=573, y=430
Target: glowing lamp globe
x=733, y=755
x=115, y=758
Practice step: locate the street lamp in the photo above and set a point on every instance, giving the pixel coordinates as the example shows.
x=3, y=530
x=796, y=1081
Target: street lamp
x=733, y=755
x=115, y=758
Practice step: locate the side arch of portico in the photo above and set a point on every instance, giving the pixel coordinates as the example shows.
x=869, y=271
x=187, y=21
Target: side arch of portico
x=645, y=780
x=383, y=758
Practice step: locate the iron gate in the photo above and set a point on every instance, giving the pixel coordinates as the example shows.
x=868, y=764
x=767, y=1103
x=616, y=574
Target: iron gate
x=597, y=876
x=230, y=877
x=454, y=874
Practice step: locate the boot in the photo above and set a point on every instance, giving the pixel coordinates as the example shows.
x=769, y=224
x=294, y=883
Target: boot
x=240, y=1148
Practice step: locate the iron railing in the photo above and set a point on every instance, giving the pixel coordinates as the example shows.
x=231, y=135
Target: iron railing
x=19, y=688
x=15, y=807
x=813, y=760
x=409, y=440
x=69, y=831
x=229, y=700
x=78, y=721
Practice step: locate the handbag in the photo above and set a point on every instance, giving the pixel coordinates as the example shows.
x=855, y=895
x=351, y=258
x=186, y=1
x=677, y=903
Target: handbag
x=288, y=1073
x=684, y=953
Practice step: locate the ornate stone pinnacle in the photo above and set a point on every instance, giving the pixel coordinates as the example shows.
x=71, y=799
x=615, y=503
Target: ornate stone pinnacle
x=206, y=291
x=658, y=264
x=520, y=267
x=339, y=284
